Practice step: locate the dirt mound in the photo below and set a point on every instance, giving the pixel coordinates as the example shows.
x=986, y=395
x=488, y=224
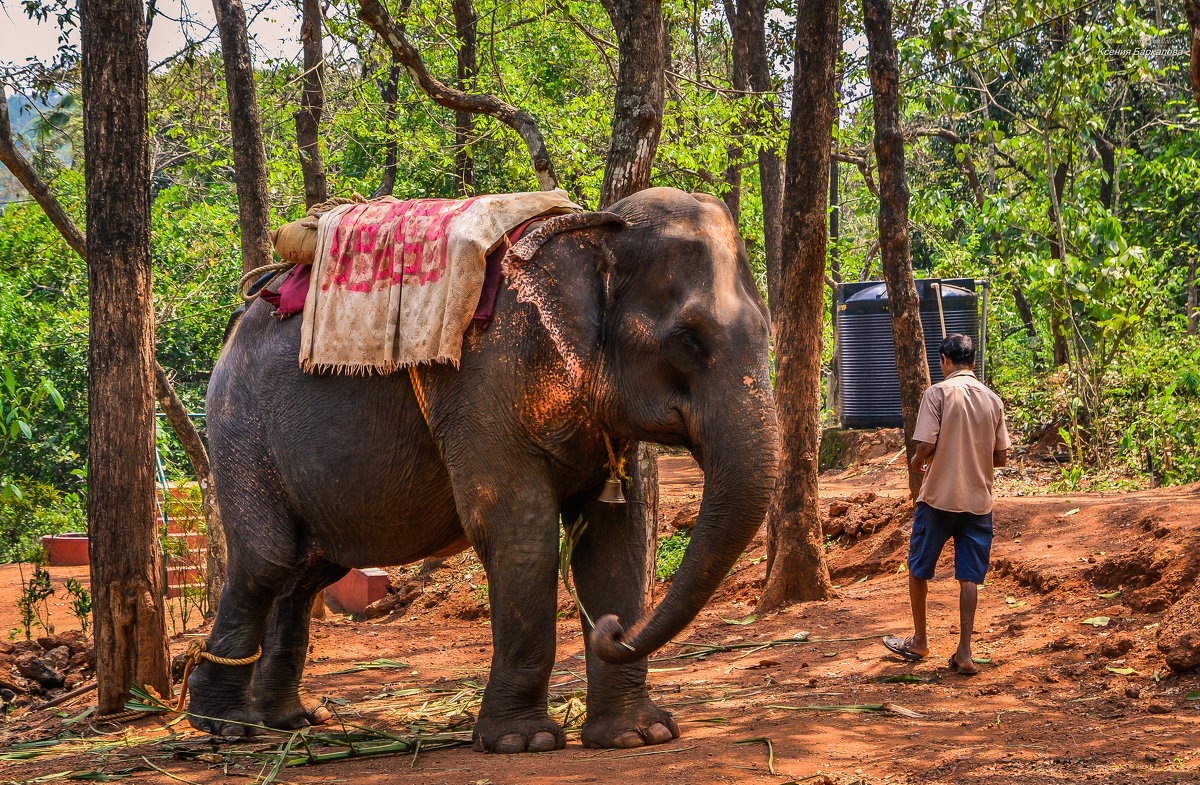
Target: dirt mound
x=842, y=447
x=42, y=669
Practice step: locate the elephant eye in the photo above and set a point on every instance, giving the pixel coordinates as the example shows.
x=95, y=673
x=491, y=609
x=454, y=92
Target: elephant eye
x=686, y=349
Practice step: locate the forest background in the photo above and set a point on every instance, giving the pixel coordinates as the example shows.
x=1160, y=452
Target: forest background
x=1052, y=148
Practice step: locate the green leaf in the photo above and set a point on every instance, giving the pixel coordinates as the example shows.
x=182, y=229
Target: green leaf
x=25, y=429
x=1124, y=671
x=1192, y=696
x=742, y=622
x=1110, y=595
x=1096, y=621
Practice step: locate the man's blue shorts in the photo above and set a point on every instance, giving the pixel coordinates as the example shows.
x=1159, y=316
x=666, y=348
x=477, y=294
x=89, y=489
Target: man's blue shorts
x=972, y=542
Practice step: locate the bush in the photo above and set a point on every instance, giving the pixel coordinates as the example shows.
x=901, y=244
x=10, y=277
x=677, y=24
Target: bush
x=670, y=554
x=43, y=509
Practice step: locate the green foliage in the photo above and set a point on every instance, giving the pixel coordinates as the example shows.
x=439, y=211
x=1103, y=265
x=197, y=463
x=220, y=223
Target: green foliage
x=81, y=602
x=31, y=604
x=670, y=554
x=41, y=509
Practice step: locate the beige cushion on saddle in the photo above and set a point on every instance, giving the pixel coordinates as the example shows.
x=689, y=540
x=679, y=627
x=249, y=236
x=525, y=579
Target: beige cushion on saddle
x=296, y=242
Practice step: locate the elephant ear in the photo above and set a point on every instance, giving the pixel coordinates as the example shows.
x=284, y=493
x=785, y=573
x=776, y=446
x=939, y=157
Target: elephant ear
x=568, y=283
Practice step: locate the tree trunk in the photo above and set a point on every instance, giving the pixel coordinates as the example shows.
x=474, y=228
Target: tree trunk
x=911, y=365
x=184, y=429
x=249, y=158
x=308, y=119
x=1191, y=297
x=752, y=70
x=636, y=125
x=390, y=96
x=638, y=105
x=126, y=563
x=1192, y=9
x=796, y=566
x=1108, y=159
x=1057, y=251
x=189, y=437
x=465, y=21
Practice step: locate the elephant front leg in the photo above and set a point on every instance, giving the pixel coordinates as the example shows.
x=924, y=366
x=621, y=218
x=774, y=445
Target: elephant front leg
x=609, y=569
x=516, y=537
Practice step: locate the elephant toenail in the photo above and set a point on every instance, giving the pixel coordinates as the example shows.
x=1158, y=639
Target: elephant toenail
x=509, y=744
x=658, y=733
x=629, y=738
x=320, y=715
x=542, y=741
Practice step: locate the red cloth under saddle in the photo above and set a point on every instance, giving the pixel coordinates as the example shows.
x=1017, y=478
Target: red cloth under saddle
x=288, y=298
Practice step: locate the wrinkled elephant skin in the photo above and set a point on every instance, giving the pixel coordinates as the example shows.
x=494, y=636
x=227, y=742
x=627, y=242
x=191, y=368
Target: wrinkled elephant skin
x=642, y=323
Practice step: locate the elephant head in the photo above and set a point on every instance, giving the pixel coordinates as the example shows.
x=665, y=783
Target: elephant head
x=659, y=322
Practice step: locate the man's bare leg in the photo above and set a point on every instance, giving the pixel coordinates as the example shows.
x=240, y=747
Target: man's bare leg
x=918, y=591
x=968, y=602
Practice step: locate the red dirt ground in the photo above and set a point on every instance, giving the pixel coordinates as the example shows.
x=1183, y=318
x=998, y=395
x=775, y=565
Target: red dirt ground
x=1048, y=708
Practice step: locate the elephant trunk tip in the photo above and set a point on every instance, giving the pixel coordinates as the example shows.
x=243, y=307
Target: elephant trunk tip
x=607, y=640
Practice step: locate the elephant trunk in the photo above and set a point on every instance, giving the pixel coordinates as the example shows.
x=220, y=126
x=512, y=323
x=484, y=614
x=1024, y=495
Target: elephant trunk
x=740, y=457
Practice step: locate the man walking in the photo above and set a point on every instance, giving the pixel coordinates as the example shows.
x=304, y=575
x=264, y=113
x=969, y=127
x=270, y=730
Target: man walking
x=960, y=437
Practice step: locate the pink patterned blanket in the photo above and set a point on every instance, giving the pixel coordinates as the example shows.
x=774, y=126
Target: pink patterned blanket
x=396, y=283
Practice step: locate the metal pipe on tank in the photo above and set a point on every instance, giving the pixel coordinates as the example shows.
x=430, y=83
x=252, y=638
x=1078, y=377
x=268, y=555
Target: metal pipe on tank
x=986, y=285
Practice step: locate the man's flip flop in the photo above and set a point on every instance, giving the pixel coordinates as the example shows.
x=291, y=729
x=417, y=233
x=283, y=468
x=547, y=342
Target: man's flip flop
x=954, y=666
x=899, y=646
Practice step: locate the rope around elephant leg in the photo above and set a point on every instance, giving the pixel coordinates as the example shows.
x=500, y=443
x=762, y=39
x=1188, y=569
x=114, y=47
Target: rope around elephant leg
x=197, y=651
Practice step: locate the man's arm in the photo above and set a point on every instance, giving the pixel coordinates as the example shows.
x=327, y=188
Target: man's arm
x=999, y=458
x=921, y=457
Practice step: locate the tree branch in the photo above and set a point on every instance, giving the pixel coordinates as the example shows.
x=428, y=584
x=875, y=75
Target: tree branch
x=376, y=16
x=25, y=174
x=966, y=162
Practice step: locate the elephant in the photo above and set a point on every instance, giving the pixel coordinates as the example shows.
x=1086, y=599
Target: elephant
x=637, y=323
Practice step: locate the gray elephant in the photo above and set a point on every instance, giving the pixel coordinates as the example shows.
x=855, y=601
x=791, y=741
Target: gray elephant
x=642, y=322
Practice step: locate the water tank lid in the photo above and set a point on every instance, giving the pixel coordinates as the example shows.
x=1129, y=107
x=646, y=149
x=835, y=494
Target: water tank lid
x=878, y=291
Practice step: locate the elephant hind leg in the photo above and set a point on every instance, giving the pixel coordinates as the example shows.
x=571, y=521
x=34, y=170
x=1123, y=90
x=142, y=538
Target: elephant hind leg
x=220, y=701
x=278, y=699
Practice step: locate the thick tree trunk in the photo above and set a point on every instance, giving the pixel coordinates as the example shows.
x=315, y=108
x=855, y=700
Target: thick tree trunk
x=308, y=119
x=636, y=125
x=377, y=18
x=796, y=567
x=903, y=303
x=126, y=563
x=189, y=437
x=390, y=96
x=638, y=105
x=184, y=429
x=1057, y=251
x=249, y=157
x=465, y=21
x=752, y=70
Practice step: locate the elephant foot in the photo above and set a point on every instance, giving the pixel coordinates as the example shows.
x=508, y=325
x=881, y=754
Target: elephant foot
x=229, y=722
x=220, y=708
x=636, y=726
x=293, y=712
x=508, y=736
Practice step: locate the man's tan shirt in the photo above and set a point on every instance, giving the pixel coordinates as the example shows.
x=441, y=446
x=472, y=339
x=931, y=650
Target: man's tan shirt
x=965, y=422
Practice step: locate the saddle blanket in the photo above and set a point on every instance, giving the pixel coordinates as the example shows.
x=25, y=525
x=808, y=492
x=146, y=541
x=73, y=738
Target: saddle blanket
x=396, y=283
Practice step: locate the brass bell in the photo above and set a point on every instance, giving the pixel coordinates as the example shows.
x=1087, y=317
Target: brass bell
x=612, y=491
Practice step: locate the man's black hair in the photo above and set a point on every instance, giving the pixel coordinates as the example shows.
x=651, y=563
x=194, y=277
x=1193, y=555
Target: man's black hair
x=958, y=349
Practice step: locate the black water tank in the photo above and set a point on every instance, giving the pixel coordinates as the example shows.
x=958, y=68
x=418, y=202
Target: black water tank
x=868, y=388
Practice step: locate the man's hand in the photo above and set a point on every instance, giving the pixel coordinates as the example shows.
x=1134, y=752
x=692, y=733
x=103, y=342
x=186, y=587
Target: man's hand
x=999, y=458
x=920, y=460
